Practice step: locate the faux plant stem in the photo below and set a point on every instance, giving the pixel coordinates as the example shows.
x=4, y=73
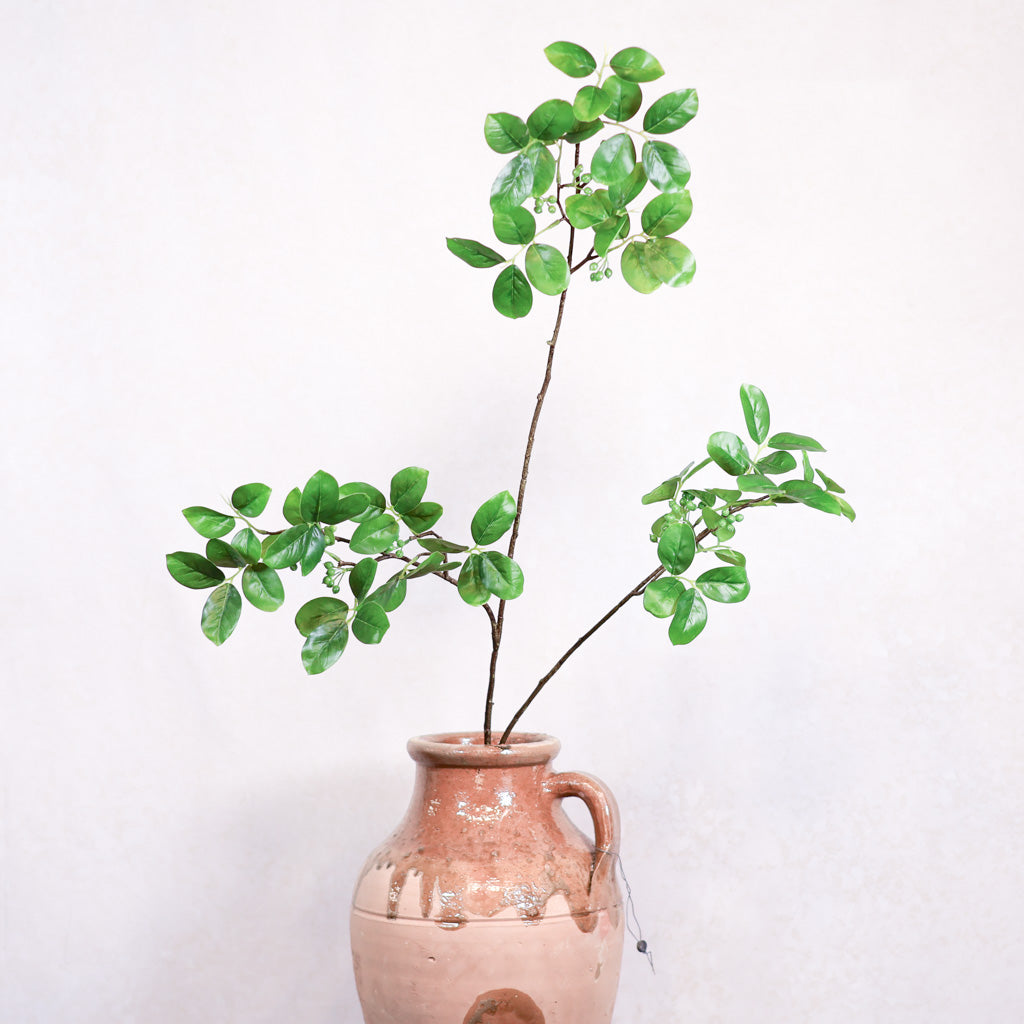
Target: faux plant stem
x=499, y=625
x=637, y=591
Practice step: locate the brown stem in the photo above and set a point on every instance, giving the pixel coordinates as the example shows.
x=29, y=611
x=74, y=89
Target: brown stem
x=590, y=255
x=499, y=624
x=635, y=592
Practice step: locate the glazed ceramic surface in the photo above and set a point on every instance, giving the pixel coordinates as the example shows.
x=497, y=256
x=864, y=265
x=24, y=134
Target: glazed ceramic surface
x=487, y=905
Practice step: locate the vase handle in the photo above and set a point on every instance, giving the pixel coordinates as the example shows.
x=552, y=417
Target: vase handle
x=599, y=800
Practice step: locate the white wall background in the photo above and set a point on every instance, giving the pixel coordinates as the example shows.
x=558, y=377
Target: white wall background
x=223, y=260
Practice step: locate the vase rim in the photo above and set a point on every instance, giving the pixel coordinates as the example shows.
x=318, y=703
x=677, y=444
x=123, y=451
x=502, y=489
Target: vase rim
x=468, y=750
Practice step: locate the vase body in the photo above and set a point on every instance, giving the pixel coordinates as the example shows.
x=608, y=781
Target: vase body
x=487, y=905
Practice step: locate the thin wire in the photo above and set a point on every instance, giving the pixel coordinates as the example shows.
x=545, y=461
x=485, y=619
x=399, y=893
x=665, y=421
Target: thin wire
x=637, y=935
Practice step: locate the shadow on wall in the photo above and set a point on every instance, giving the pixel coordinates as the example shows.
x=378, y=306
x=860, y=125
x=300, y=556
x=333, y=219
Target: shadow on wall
x=253, y=924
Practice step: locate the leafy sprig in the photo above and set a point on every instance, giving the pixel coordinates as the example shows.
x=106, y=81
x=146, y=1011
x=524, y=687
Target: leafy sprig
x=651, y=256
x=383, y=529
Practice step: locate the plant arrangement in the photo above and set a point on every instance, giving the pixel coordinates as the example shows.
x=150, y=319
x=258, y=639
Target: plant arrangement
x=593, y=214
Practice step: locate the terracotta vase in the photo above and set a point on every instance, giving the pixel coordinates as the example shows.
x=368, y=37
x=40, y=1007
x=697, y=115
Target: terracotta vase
x=487, y=905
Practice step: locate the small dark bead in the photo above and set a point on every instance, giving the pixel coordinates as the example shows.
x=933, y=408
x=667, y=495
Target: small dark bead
x=642, y=946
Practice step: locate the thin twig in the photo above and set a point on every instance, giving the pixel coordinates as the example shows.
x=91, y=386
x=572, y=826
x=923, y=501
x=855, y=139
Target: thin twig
x=635, y=592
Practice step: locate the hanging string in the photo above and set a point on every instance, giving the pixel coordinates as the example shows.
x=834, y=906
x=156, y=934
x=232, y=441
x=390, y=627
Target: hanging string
x=636, y=933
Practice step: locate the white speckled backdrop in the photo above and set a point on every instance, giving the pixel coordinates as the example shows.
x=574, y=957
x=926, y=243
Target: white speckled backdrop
x=222, y=259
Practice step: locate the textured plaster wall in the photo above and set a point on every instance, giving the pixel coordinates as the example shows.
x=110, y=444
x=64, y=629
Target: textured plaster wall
x=223, y=260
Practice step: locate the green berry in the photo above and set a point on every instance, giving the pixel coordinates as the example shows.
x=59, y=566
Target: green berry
x=607, y=271
x=738, y=518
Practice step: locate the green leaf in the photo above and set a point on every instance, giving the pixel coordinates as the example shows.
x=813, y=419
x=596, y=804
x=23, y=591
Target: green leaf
x=500, y=575
x=666, y=213
x=430, y=564
x=636, y=65
x=193, y=571
x=635, y=269
x=391, y=594
x=291, y=507
x=361, y=578
x=812, y=496
x=221, y=612
x=493, y=518
x=665, y=490
x=730, y=556
x=726, y=494
x=670, y=261
x=609, y=230
x=505, y=133
x=614, y=159
x=571, y=59
x=585, y=211
x=756, y=483
x=690, y=618
x=476, y=254
x=622, y=193
x=319, y=503
x=512, y=185
x=298, y=545
x=727, y=584
x=324, y=646
x=671, y=112
x=676, y=547
x=250, y=499
x=661, y=596
x=375, y=535
x=755, y=412
x=547, y=269
x=551, y=120
x=374, y=498
x=777, y=462
x=263, y=587
x=370, y=623
x=667, y=169
x=423, y=516
x=729, y=452
x=514, y=227
x=808, y=468
x=830, y=484
x=711, y=518
x=625, y=98
x=223, y=554
x=208, y=523
x=440, y=544
x=407, y=488
x=471, y=585
x=320, y=611
x=591, y=102
x=247, y=544
x=846, y=508
x=794, y=442
x=583, y=130
x=512, y=295
x=543, y=168
x=352, y=506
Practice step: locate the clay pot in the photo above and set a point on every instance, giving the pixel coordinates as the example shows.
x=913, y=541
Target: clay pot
x=487, y=905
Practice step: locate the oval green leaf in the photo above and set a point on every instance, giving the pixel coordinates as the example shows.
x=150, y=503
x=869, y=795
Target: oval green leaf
x=727, y=584
x=636, y=65
x=292, y=547
x=250, y=499
x=551, y=120
x=493, y=518
x=755, y=412
x=319, y=502
x=375, y=535
x=291, y=507
x=607, y=231
x=512, y=295
x=757, y=483
x=583, y=130
x=391, y=594
x=471, y=584
x=500, y=575
x=666, y=213
x=505, y=133
x=476, y=254
x=624, y=98
x=370, y=623
x=223, y=554
x=635, y=269
x=614, y=160
x=691, y=616
x=547, y=269
x=622, y=193
x=667, y=169
x=676, y=547
x=794, y=442
x=247, y=544
x=423, y=516
x=263, y=587
x=777, y=462
x=671, y=112
x=407, y=488
x=318, y=612
x=324, y=646
x=571, y=59
x=221, y=613
x=513, y=184
x=361, y=578
x=585, y=211
x=514, y=227
x=670, y=261
x=661, y=596
x=207, y=522
x=193, y=571
x=375, y=502
x=729, y=452
x=812, y=496
x=590, y=103
x=543, y=168
x=731, y=556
